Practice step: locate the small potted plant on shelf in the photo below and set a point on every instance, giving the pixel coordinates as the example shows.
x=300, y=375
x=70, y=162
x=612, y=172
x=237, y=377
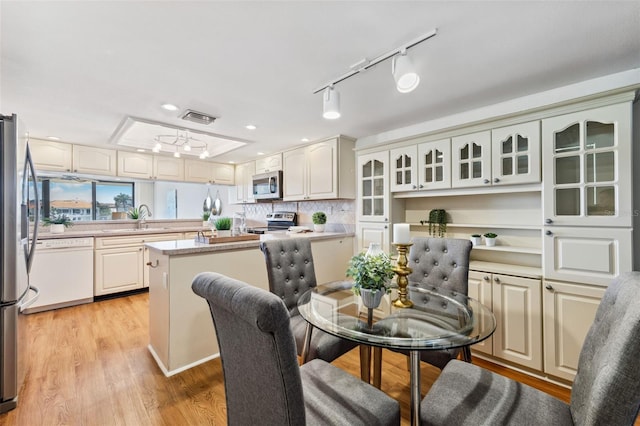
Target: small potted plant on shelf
x=57, y=222
x=205, y=218
x=490, y=239
x=372, y=274
x=437, y=222
x=476, y=239
x=223, y=225
x=319, y=219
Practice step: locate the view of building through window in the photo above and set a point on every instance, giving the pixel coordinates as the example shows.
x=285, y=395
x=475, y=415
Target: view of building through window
x=84, y=200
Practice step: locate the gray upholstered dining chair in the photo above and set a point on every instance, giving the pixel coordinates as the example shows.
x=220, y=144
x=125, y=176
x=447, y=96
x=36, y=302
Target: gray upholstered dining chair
x=606, y=389
x=263, y=382
x=291, y=273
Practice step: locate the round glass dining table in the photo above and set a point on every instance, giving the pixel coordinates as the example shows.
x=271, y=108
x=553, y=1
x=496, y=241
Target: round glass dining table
x=438, y=319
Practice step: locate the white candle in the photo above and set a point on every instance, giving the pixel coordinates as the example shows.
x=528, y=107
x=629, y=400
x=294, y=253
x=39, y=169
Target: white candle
x=401, y=234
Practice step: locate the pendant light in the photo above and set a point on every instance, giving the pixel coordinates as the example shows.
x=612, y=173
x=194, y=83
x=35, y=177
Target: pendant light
x=404, y=73
x=331, y=103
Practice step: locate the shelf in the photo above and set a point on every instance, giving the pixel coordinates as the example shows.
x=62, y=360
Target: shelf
x=486, y=226
x=510, y=249
x=479, y=190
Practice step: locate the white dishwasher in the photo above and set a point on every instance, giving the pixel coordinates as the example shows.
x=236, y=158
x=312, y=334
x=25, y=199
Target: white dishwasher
x=63, y=271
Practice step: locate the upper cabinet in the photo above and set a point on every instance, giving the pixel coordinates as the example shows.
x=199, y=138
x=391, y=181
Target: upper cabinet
x=271, y=163
x=63, y=157
x=421, y=167
x=135, y=165
x=242, y=191
x=373, y=187
x=207, y=172
x=321, y=171
x=587, y=171
x=168, y=168
x=504, y=156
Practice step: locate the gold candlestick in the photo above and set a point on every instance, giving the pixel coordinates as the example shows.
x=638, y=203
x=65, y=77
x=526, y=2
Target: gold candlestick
x=402, y=271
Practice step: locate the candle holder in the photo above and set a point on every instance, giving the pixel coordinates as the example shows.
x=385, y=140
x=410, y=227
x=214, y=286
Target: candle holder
x=402, y=271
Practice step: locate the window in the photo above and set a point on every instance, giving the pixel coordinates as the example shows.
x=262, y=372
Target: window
x=84, y=200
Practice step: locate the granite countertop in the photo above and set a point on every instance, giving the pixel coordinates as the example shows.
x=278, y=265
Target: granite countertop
x=185, y=247
x=119, y=232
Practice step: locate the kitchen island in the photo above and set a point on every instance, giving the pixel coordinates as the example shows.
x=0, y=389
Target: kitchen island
x=181, y=332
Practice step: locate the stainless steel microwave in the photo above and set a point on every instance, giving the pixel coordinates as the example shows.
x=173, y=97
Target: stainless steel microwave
x=267, y=186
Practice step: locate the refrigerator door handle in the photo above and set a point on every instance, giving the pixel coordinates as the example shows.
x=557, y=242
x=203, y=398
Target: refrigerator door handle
x=30, y=170
x=28, y=302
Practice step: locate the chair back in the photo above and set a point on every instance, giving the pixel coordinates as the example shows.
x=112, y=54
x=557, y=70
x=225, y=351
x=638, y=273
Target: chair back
x=289, y=269
x=606, y=389
x=261, y=374
x=440, y=262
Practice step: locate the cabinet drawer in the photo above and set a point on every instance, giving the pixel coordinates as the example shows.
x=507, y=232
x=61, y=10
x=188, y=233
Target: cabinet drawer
x=128, y=240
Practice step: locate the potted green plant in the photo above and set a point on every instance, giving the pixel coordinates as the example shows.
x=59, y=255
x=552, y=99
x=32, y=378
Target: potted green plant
x=319, y=219
x=135, y=213
x=205, y=218
x=57, y=222
x=490, y=239
x=437, y=222
x=476, y=239
x=372, y=276
x=223, y=225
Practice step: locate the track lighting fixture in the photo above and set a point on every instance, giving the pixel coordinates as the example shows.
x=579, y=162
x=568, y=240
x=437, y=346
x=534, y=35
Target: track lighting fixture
x=331, y=104
x=404, y=74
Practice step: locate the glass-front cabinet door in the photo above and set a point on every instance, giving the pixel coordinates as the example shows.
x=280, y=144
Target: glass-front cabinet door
x=373, y=188
x=404, y=168
x=471, y=160
x=515, y=154
x=434, y=164
x=587, y=167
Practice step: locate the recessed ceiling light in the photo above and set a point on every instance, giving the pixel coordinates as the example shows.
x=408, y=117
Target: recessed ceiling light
x=260, y=153
x=250, y=127
x=140, y=150
x=232, y=162
x=53, y=138
x=170, y=107
x=305, y=140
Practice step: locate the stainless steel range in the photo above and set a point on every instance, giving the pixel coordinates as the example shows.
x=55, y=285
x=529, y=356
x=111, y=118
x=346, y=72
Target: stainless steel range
x=276, y=221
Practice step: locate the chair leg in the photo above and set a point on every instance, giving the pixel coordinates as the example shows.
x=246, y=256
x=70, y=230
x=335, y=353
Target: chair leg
x=307, y=342
x=466, y=354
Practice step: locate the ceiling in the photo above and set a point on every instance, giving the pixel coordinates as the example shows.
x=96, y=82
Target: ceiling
x=76, y=70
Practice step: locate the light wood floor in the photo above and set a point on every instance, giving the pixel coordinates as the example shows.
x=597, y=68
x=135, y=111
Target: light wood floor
x=89, y=365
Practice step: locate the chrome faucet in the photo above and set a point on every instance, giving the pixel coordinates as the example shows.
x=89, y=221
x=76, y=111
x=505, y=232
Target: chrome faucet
x=142, y=223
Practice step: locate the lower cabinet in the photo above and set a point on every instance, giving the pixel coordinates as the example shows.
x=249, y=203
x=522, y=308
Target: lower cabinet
x=373, y=232
x=569, y=311
x=516, y=304
x=120, y=262
x=331, y=257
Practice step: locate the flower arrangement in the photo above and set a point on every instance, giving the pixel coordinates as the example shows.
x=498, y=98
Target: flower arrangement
x=370, y=272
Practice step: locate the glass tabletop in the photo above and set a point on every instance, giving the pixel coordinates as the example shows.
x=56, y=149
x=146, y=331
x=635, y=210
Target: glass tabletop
x=439, y=318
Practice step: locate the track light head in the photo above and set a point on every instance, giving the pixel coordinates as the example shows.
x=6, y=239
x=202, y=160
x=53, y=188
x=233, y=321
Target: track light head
x=404, y=73
x=331, y=103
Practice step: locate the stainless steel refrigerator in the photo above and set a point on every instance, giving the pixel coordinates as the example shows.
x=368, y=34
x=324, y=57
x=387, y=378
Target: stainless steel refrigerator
x=18, y=200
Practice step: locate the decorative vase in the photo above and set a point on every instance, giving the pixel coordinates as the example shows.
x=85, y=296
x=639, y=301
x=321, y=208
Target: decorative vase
x=318, y=227
x=476, y=241
x=57, y=228
x=371, y=298
x=490, y=241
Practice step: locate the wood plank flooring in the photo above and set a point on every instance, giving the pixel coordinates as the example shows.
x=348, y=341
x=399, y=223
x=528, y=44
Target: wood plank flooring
x=89, y=365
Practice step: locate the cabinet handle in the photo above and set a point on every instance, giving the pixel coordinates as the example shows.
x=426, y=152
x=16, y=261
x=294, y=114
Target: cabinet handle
x=497, y=280
x=75, y=170
x=421, y=186
x=486, y=181
x=549, y=287
x=414, y=187
x=548, y=221
x=153, y=264
x=486, y=278
x=549, y=233
x=496, y=180
x=68, y=170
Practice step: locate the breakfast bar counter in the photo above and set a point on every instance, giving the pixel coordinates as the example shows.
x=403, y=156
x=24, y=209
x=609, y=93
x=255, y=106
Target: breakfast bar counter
x=181, y=333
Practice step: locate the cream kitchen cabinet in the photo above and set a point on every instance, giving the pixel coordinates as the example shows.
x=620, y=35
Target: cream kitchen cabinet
x=242, y=192
x=320, y=171
x=420, y=167
x=208, y=172
x=270, y=163
x=373, y=232
x=64, y=157
x=517, y=306
x=501, y=156
x=120, y=262
x=373, y=187
x=143, y=166
x=569, y=311
x=331, y=258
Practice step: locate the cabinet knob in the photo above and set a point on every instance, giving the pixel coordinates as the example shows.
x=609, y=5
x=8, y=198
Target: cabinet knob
x=548, y=221
x=486, y=278
x=414, y=187
x=549, y=233
x=487, y=181
x=497, y=280
x=68, y=170
x=548, y=287
x=386, y=219
x=421, y=186
x=496, y=180
x=386, y=227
